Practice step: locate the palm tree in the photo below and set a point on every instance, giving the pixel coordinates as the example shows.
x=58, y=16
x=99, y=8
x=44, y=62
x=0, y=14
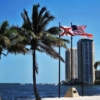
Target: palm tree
x=4, y=40
x=96, y=64
x=10, y=41
x=39, y=38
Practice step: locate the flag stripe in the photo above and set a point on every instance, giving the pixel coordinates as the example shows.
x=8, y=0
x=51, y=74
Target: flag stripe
x=87, y=35
x=78, y=30
x=73, y=30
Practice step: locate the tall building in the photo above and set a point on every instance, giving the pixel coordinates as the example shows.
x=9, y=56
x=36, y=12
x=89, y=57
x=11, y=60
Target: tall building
x=68, y=64
x=85, y=48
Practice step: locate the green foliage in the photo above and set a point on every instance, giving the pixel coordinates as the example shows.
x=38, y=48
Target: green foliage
x=10, y=40
x=96, y=64
x=37, y=36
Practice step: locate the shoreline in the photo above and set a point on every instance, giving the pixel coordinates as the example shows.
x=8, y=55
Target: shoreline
x=75, y=98
x=64, y=98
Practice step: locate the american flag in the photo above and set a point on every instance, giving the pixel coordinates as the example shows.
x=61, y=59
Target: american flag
x=78, y=30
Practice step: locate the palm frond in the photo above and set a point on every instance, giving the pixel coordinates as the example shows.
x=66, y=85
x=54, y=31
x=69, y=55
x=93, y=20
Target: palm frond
x=11, y=33
x=47, y=20
x=64, y=40
x=18, y=48
x=27, y=23
x=4, y=27
x=43, y=9
x=35, y=17
x=44, y=20
x=4, y=41
x=32, y=34
x=46, y=16
x=55, y=41
x=50, y=51
x=54, y=30
x=27, y=36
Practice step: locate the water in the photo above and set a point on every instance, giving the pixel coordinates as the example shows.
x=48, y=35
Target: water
x=16, y=91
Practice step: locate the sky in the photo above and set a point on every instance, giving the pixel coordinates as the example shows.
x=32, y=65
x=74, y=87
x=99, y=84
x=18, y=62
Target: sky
x=18, y=68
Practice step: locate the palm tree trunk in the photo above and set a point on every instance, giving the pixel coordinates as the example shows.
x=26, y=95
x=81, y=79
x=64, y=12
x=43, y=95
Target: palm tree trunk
x=34, y=77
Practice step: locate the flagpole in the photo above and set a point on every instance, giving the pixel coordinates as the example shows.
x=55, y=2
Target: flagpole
x=59, y=69
x=71, y=58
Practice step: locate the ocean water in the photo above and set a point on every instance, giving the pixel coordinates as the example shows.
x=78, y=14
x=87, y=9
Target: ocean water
x=25, y=91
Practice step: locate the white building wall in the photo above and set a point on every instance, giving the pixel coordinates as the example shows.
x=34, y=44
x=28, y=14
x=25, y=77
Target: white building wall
x=68, y=64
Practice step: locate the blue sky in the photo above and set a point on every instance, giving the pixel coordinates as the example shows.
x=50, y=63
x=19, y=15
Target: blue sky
x=18, y=68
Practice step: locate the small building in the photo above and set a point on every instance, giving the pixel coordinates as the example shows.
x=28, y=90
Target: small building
x=97, y=74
